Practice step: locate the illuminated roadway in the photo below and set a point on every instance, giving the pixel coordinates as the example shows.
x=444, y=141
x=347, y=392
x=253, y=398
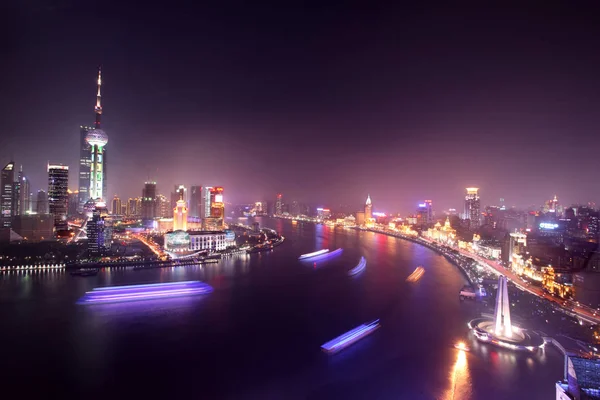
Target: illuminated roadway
x=151, y=245
x=584, y=313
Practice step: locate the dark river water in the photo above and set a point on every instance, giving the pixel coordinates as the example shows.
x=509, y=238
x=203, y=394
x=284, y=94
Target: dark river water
x=258, y=335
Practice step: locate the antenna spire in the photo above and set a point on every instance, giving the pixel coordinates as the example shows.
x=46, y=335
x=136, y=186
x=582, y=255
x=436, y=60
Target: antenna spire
x=98, y=107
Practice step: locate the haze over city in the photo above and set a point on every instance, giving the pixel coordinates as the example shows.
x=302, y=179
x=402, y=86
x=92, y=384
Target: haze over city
x=322, y=103
x=300, y=200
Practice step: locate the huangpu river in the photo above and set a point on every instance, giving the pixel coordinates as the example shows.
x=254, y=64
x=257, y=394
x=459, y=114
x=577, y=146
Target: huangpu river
x=258, y=334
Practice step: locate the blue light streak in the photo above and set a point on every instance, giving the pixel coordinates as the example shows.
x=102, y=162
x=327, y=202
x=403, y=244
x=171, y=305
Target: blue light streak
x=327, y=255
x=314, y=254
x=114, y=294
x=359, y=268
x=350, y=337
x=148, y=285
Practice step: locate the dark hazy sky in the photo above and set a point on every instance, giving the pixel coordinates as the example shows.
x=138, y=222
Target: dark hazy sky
x=321, y=103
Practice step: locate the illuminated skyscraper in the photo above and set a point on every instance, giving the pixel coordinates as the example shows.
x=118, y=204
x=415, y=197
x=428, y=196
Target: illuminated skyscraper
x=163, y=206
x=422, y=214
x=279, y=205
x=429, y=206
x=132, y=207
x=180, y=214
x=73, y=203
x=24, y=194
x=7, y=195
x=176, y=195
x=217, y=205
x=196, y=201
x=58, y=196
x=116, y=205
x=473, y=208
x=368, y=209
x=41, y=204
x=205, y=211
x=148, y=203
x=96, y=229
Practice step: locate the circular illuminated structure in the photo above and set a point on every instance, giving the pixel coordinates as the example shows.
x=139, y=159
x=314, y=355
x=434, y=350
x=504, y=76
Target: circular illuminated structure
x=484, y=330
x=178, y=241
x=96, y=137
x=499, y=331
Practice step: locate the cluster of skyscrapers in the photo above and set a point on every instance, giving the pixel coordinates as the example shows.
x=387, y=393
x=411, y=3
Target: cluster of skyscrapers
x=200, y=204
x=28, y=218
x=15, y=194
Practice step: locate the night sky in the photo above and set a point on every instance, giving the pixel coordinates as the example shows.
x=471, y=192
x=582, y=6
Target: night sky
x=321, y=103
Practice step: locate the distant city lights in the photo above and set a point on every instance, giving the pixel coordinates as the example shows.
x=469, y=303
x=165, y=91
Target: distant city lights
x=547, y=225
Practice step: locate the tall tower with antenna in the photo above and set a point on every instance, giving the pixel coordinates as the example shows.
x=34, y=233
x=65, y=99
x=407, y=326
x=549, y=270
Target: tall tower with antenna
x=98, y=107
x=92, y=166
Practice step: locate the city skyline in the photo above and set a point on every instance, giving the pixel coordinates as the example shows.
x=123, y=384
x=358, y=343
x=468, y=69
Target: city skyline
x=263, y=186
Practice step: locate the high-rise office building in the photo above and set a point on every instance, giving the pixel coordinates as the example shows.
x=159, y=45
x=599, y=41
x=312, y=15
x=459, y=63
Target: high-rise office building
x=295, y=208
x=176, y=195
x=7, y=195
x=217, y=205
x=24, y=194
x=41, y=203
x=195, y=201
x=132, y=207
x=279, y=205
x=422, y=214
x=205, y=211
x=116, y=205
x=73, y=208
x=368, y=209
x=473, y=208
x=180, y=214
x=58, y=196
x=163, y=206
x=429, y=206
x=96, y=230
x=148, y=201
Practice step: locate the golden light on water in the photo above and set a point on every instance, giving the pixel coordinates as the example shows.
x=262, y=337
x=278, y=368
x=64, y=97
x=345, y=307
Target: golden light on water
x=460, y=379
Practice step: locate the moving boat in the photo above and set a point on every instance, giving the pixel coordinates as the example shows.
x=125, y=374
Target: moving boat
x=350, y=337
x=114, y=294
x=416, y=274
x=313, y=254
x=359, y=268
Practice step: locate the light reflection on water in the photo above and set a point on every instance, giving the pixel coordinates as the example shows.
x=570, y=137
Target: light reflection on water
x=144, y=307
x=265, y=322
x=460, y=379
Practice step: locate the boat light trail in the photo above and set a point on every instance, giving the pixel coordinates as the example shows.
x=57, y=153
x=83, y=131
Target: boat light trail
x=144, y=292
x=314, y=254
x=416, y=275
x=350, y=337
x=359, y=268
x=325, y=256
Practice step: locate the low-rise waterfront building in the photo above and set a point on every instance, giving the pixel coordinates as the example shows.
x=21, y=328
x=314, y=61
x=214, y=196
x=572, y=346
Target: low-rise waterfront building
x=184, y=244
